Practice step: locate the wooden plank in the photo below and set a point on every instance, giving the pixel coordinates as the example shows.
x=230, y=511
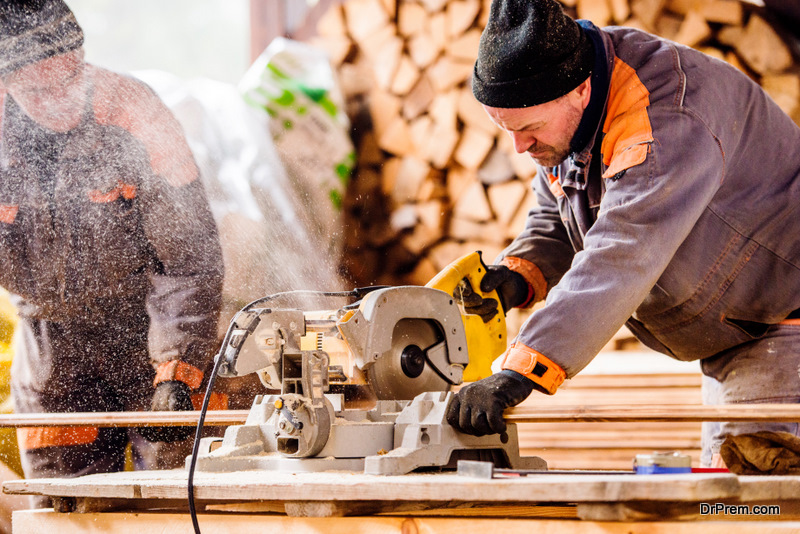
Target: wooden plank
x=471, y=112
x=387, y=60
x=466, y=229
x=444, y=253
x=444, y=109
x=411, y=18
x=785, y=91
x=331, y=486
x=446, y=510
x=465, y=47
x=483, y=18
x=620, y=10
x=437, y=26
x=332, y=23
x=647, y=11
x=431, y=214
x=597, y=11
x=459, y=16
x=496, y=169
x=405, y=77
x=122, y=419
x=727, y=413
x=410, y=174
x=422, y=273
x=680, y=380
x=473, y=148
x=418, y=99
x=762, y=48
x=434, y=5
x=390, y=6
x=421, y=128
x=668, y=25
x=441, y=144
x=473, y=204
x=517, y=223
x=396, y=138
x=29, y=521
x=694, y=29
x=420, y=239
x=338, y=49
x=433, y=188
x=681, y=7
x=364, y=17
x=448, y=72
x=384, y=107
x=424, y=49
x=506, y=198
x=722, y=11
x=356, y=78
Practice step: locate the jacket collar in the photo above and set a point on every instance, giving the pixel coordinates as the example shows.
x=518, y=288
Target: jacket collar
x=584, y=138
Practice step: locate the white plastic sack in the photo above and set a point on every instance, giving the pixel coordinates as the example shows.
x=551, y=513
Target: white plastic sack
x=293, y=87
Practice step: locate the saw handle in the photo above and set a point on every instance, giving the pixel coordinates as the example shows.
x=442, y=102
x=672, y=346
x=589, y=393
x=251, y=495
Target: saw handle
x=485, y=341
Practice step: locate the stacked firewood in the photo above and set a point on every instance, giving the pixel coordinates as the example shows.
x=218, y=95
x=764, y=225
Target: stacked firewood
x=435, y=178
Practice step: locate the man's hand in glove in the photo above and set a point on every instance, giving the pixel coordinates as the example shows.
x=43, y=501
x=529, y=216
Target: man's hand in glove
x=172, y=396
x=512, y=288
x=478, y=408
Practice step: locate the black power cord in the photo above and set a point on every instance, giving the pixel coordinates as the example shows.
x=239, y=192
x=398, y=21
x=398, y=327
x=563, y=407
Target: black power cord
x=356, y=293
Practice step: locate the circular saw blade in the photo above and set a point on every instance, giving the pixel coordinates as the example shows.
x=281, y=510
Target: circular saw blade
x=387, y=376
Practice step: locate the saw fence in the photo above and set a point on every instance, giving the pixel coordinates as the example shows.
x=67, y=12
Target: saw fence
x=435, y=178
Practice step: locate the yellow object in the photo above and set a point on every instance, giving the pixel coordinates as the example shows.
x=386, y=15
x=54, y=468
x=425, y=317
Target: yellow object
x=485, y=341
x=9, y=450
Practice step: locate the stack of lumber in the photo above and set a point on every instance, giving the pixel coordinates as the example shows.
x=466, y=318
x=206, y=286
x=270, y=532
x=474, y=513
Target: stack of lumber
x=610, y=445
x=435, y=178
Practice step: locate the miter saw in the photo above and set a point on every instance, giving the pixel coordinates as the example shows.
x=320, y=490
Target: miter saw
x=364, y=387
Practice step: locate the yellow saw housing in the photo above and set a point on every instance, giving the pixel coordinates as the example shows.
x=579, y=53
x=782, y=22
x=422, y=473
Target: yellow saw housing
x=485, y=341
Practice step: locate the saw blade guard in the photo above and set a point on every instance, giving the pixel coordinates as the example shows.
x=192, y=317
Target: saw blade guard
x=403, y=372
x=485, y=341
x=392, y=320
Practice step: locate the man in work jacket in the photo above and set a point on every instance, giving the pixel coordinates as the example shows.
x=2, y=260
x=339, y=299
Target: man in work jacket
x=108, y=244
x=669, y=200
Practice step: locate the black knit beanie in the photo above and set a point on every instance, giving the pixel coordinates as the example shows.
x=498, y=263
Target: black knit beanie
x=32, y=30
x=531, y=52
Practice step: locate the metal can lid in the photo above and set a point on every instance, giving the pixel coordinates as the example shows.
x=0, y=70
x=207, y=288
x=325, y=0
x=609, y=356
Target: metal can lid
x=663, y=459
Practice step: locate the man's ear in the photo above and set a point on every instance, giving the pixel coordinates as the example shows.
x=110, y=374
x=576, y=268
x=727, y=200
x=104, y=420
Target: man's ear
x=584, y=92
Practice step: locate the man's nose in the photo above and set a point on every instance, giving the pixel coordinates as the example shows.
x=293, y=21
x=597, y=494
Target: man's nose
x=522, y=141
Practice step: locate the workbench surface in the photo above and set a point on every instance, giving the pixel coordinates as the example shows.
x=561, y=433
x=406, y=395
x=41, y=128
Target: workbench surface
x=593, y=497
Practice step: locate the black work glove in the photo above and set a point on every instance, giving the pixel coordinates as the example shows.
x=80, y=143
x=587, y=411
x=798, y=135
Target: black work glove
x=473, y=303
x=510, y=285
x=512, y=288
x=478, y=408
x=169, y=396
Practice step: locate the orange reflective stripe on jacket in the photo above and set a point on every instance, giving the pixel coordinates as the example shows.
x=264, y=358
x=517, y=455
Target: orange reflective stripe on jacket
x=218, y=401
x=8, y=213
x=627, y=126
x=55, y=436
x=181, y=371
x=534, y=365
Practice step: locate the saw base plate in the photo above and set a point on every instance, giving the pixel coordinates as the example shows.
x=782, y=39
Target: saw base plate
x=394, y=438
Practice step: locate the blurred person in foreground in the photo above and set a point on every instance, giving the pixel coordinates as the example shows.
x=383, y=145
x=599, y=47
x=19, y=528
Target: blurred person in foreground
x=107, y=244
x=668, y=192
